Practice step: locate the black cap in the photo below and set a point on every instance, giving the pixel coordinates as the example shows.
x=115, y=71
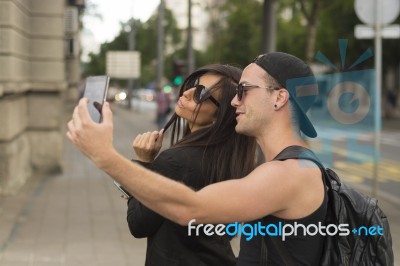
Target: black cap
x=296, y=76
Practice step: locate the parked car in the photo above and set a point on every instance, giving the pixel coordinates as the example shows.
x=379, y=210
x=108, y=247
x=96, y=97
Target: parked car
x=144, y=94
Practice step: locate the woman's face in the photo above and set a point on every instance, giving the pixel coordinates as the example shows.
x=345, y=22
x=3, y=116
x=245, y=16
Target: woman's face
x=186, y=104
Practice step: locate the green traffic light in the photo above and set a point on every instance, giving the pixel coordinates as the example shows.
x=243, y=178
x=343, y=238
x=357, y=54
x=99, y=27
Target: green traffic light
x=178, y=80
x=167, y=89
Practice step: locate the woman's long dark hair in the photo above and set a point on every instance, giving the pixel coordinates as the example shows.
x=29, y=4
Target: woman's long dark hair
x=227, y=154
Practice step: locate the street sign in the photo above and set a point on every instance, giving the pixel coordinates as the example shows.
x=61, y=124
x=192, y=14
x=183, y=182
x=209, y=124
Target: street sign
x=123, y=64
x=391, y=32
x=367, y=32
x=366, y=11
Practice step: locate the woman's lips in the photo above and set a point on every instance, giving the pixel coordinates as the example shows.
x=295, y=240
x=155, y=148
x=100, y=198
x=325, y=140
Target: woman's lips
x=180, y=104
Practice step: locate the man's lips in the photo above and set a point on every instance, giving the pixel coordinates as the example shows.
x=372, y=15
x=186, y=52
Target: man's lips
x=238, y=114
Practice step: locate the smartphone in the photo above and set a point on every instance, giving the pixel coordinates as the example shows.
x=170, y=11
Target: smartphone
x=122, y=189
x=96, y=91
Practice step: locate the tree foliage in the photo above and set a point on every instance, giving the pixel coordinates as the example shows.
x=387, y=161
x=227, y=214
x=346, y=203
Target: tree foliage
x=336, y=20
x=145, y=43
x=240, y=37
x=236, y=28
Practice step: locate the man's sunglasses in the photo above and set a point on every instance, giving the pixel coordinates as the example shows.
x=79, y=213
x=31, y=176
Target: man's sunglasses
x=244, y=87
x=202, y=94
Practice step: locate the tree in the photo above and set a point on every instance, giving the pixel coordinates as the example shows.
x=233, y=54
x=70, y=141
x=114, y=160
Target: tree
x=240, y=35
x=291, y=29
x=332, y=29
x=310, y=10
x=146, y=41
x=215, y=27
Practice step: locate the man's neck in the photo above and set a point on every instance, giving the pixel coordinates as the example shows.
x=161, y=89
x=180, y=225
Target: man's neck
x=273, y=143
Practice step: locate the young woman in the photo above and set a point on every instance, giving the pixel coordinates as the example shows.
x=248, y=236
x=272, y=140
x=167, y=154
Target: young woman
x=204, y=149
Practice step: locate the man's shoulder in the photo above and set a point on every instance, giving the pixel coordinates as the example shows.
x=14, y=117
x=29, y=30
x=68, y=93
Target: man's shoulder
x=286, y=169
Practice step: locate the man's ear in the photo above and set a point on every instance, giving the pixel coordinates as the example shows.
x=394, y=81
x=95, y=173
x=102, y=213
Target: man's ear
x=282, y=97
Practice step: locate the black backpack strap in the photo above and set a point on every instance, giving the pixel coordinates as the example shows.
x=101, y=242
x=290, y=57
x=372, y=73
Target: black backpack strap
x=298, y=152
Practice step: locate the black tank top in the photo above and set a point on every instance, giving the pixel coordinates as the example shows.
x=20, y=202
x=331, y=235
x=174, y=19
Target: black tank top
x=305, y=250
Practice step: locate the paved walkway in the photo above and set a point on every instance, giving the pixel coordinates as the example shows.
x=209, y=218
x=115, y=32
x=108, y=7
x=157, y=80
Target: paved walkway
x=73, y=218
x=78, y=218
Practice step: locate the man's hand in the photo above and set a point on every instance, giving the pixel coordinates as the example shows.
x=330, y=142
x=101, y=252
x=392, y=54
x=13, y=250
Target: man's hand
x=93, y=139
x=147, y=145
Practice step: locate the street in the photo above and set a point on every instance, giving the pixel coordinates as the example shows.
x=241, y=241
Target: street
x=351, y=156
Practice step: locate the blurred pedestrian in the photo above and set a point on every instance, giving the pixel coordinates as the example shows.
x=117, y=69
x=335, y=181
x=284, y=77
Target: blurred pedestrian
x=163, y=107
x=206, y=150
x=280, y=192
x=390, y=103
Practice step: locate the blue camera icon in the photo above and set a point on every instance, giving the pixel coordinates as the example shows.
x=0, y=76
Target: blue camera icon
x=344, y=110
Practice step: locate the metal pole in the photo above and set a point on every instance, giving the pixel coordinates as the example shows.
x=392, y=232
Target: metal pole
x=190, y=55
x=269, y=27
x=378, y=116
x=268, y=44
x=131, y=47
x=160, y=44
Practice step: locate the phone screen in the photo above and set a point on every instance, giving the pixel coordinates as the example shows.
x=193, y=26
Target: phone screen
x=96, y=91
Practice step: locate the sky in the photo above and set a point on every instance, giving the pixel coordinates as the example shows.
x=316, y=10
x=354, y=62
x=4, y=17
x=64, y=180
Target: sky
x=113, y=12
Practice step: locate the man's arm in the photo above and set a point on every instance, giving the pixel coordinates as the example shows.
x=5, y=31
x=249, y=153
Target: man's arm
x=240, y=200
x=243, y=199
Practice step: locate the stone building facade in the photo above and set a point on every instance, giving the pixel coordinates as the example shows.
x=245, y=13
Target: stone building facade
x=39, y=67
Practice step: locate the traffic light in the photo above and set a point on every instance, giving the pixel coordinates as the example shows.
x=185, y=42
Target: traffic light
x=178, y=69
x=167, y=89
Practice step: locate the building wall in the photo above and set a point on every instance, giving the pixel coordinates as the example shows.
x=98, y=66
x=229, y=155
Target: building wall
x=33, y=85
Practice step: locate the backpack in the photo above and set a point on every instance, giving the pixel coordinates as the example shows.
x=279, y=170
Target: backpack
x=348, y=206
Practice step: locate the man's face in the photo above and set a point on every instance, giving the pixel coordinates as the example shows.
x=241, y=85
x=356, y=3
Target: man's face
x=254, y=108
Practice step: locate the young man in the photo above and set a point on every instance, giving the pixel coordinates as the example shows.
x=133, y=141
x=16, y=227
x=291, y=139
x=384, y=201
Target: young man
x=274, y=93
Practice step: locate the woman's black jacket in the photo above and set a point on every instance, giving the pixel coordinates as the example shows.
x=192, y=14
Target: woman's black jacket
x=167, y=242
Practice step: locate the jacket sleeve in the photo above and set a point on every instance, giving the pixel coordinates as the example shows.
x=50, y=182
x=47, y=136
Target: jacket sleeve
x=142, y=221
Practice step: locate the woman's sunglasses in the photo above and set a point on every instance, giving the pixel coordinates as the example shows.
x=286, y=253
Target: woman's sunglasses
x=202, y=94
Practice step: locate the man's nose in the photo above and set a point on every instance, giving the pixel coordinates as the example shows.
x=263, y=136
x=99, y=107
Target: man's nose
x=235, y=102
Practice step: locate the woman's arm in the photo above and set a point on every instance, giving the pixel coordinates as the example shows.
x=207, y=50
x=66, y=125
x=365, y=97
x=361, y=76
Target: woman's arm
x=142, y=221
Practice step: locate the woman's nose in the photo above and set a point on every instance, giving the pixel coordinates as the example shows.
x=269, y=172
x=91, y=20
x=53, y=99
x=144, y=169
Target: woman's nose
x=188, y=93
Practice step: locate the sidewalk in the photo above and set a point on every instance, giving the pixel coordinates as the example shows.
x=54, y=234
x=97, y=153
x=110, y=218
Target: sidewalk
x=73, y=218
x=78, y=217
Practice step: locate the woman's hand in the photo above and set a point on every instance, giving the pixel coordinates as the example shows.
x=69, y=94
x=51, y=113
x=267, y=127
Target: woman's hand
x=147, y=145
